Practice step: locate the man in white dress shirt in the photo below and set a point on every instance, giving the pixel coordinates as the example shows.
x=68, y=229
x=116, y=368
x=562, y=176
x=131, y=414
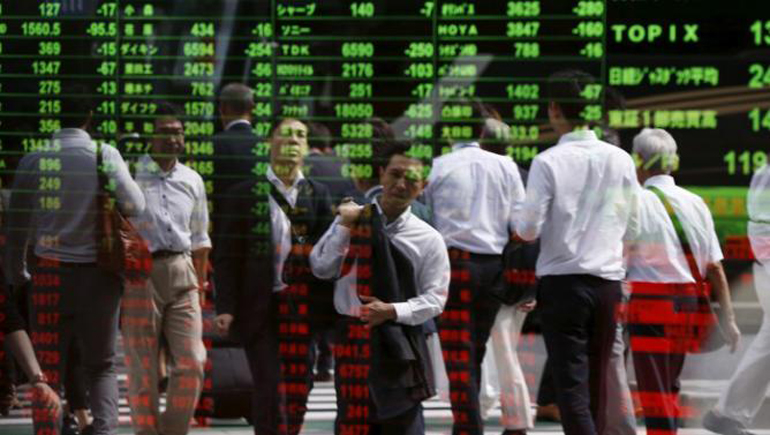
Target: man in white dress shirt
x=661, y=277
x=474, y=195
x=579, y=202
x=167, y=307
x=743, y=397
x=369, y=248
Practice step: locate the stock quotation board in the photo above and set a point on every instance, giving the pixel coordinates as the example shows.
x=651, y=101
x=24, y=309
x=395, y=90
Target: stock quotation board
x=699, y=68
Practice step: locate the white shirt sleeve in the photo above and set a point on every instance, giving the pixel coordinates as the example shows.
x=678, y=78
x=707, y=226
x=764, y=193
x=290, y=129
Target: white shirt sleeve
x=517, y=193
x=537, y=203
x=199, y=221
x=127, y=192
x=433, y=285
x=715, y=250
x=328, y=254
x=634, y=226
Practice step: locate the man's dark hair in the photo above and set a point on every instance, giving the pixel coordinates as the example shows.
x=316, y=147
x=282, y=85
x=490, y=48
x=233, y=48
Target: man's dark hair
x=76, y=105
x=382, y=137
x=237, y=97
x=479, y=112
x=166, y=109
x=565, y=89
x=319, y=136
x=394, y=148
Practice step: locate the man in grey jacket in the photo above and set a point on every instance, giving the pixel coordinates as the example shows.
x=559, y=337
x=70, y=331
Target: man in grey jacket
x=53, y=211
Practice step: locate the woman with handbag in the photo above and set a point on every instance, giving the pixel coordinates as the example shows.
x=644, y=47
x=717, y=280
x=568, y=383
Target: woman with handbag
x=674, y=263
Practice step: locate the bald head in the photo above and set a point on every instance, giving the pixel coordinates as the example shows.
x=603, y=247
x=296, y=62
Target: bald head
x=236, y=101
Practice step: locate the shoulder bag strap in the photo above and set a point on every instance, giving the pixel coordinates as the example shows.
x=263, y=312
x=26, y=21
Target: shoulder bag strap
x=100, y=174
x=681, y=235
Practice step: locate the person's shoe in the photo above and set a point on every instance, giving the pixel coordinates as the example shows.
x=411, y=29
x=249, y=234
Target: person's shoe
x=723, y=425
x=70, y=426
x=163, y=385
x=8, y=401
x=548, y=413
x=324, y=376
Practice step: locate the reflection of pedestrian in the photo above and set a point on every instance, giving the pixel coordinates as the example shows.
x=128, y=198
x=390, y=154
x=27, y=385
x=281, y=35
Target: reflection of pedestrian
x=579, y=197
x=263, y=279
x=175, y=225
x=387, y=299
x=59, y=221
x=45, y=402
x=741, y=400
x=474, y=195
x=235, y=147
x=673, y=247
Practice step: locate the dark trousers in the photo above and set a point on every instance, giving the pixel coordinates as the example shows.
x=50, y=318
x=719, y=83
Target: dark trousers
x=464, y=328
x=356, y=411
x=74, y=379
x=546, y=392
x=322, y=341
x=579, y=324
x=657, y=373
x=281, y=361
x=78, y=305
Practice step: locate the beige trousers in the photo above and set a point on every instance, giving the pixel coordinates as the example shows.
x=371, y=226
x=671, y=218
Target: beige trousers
x=502, y=376
x=167, y=307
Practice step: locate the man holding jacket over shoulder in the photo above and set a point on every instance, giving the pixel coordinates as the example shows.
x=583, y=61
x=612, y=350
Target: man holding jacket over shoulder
x=394, y=272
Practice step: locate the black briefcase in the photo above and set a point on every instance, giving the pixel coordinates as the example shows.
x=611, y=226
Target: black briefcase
x=231, y=386
x=518, y=283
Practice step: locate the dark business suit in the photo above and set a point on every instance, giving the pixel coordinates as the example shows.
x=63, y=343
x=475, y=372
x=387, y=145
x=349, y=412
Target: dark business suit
x=235, y=154
x=327, y=170
x=273, y=327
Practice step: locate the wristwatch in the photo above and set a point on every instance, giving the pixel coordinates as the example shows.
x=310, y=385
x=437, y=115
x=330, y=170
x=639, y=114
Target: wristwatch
x=38, y=378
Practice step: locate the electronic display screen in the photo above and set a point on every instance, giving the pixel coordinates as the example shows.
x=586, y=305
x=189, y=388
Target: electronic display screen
x=697, y=68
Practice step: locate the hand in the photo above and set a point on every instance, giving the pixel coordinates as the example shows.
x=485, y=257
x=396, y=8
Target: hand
x=516, y=239
x=349, y=212
x=732, y=334
x=222, y=323
x=45, y=398
x=527, y=306
x=376, y=312
x=203, y=287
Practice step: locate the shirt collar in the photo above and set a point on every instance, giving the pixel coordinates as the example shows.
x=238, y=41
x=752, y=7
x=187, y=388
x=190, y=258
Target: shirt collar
x=660, y=181
x=399, y=222
x=578, y=136
x=271, y=177
x=235, y=122
x=148, y=165
x=373, y=191
x=461, y=145
x=72, y=133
